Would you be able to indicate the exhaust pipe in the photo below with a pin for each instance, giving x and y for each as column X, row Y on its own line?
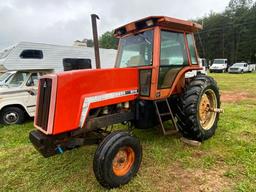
column 94, row 18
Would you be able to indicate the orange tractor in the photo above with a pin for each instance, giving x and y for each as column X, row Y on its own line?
column 146, row 88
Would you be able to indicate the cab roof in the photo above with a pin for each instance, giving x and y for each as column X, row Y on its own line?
column 151, row 21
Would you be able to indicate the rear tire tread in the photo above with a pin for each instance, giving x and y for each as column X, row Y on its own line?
column 187, row 108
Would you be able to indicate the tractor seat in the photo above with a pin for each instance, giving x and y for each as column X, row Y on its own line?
column 170, row 77
column 137, row 60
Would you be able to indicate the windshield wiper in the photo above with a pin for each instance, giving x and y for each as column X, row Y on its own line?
column 146, row 40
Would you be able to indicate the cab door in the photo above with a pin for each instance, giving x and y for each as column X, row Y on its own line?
column 32, row 87
column 173, row 57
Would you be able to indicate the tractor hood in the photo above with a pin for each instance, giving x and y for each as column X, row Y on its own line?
column 71, row 95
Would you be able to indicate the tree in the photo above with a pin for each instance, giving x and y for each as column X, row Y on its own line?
column 108, row 41
column 235, row 5
column 231, row 34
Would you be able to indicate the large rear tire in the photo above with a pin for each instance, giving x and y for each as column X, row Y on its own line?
column 196, row 118
column 117, row 159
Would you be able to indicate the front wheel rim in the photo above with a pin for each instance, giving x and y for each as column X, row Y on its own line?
column 207, row 115
column 123, row 161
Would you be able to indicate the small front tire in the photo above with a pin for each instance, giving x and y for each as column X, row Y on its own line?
column 117, row 159
column 12, row 115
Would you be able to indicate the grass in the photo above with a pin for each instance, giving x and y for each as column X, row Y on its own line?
column 226, row 162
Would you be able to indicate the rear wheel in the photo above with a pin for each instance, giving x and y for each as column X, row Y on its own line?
column 196, row 114
column 117, row 159
column 12, row 115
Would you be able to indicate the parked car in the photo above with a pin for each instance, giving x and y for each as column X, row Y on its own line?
column 239, row 68
column 219, row 65
column 6, row 76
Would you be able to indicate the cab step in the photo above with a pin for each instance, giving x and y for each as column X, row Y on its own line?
column 168, row 112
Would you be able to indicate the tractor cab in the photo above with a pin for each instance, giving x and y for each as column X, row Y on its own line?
column 163, row 49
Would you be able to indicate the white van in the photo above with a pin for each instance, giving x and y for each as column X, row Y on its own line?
column 219, row 65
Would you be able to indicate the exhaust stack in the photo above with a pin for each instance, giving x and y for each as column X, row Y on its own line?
column 94, row 18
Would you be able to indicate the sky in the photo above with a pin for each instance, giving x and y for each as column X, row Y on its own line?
column 64, row 21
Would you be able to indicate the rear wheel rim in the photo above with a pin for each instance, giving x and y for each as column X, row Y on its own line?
column 123, row 161
column 11, row 117
column 206, row 112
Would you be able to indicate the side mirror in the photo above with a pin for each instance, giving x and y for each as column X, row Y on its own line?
column 30, row 83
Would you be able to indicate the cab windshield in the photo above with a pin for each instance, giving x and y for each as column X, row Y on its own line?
column 239, row 65
column 135, row 50
column 4, row 76
column 219, row 61
column 18, row 79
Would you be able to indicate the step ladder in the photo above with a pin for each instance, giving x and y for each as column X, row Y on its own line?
column 161, row 114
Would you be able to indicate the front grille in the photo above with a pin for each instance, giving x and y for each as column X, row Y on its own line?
column 43, row 106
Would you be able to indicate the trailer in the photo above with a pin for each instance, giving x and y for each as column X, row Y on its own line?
column 41, row 56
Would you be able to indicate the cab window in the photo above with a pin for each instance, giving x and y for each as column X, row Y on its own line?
column 173, row 57
column 18, row 79
column 33, row 80
column 192, row 49
column 136, row 50
column 31, row 54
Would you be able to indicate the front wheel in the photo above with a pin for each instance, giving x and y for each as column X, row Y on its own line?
column 197, row 109
column 117, row 159
column 12, row 115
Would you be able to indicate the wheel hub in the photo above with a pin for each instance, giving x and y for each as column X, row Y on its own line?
column 11, row 117
column 123, row 161
column 206, row 114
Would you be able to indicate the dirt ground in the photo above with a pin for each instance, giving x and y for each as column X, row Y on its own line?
column 175, row 178
column 232, row 96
